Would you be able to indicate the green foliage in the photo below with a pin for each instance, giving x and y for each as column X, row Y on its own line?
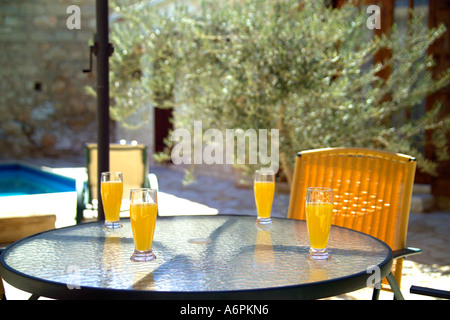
column 301, row 67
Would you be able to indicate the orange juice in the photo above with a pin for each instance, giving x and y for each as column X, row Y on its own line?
column 112, row 192
column 143, row 221
column 264, row 191
column 318, row 217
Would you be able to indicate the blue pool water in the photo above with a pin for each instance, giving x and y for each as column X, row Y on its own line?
column 18, row 179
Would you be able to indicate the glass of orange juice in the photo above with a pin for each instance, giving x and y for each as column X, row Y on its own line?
column 143, row 212
column 264, row 188
column 319, row 211
column 112, row 192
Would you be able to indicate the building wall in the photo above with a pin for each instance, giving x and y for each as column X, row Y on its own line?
column 44, row 107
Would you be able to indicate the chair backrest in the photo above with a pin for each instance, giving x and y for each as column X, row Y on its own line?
column 131, row 160
column 371, row 190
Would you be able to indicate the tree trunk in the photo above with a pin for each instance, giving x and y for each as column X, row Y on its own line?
column 283, row 161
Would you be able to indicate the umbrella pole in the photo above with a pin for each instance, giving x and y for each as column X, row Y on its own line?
column 103, row 54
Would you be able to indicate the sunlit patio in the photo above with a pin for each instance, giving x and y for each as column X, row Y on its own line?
column 208, row 92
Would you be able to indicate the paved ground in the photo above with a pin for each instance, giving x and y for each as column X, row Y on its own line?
column 428, row 231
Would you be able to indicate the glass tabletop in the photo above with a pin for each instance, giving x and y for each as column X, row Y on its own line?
column 195, row 254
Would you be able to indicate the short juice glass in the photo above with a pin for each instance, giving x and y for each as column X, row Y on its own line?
column 319, row 211
column 143, row 213
column 264, row 188
column 112, row 192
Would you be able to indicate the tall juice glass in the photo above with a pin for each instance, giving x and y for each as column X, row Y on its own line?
column 112, row 192
column 319, row 211
column 264, row 188
column 143, row 212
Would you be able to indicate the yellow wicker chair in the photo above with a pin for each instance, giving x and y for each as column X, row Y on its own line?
column 371, row 192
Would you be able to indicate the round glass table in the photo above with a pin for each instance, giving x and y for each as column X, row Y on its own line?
column 198, row 257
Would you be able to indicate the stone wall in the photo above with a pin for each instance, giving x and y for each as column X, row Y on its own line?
column 44, row 107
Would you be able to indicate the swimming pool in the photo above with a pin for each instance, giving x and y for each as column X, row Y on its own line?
column 28, row 190
column 18, row 180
